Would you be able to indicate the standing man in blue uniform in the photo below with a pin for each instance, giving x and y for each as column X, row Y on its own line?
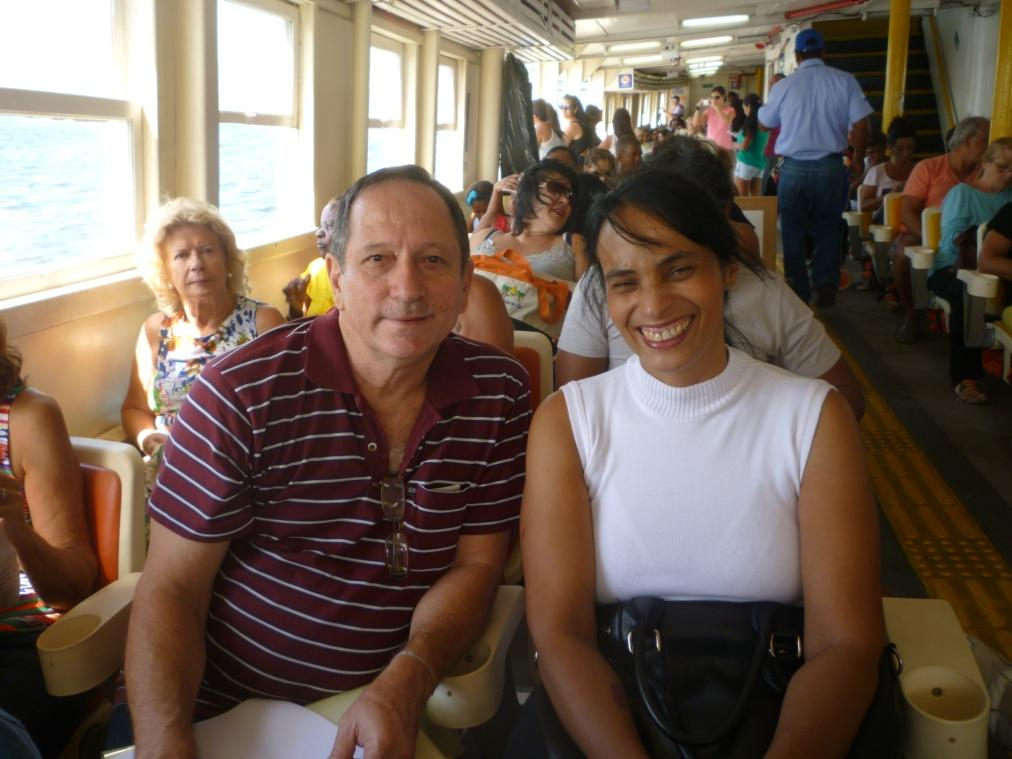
column 820, row 110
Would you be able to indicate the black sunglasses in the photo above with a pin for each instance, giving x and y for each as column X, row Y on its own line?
column 556, row 189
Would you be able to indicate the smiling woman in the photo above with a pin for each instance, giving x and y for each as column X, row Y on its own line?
column 601, row 527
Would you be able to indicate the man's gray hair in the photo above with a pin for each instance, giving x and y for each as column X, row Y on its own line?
column 410, row 173
column 967, row 129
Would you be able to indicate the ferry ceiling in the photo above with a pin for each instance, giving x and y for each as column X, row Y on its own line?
column 656, row 36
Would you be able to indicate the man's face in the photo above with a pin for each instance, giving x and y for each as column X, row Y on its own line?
column 975, row 147
column 630, row 157
column 401, row 288
column 325, row 232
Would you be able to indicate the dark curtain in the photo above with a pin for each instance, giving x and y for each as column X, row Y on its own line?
column 518, row 146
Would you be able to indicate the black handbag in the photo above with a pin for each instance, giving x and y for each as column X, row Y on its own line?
column 707, row 679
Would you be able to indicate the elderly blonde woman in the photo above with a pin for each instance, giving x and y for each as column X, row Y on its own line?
column 197, row 273
column 44, row 531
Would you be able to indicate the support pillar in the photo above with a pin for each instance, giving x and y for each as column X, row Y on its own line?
column 194, row 111
column 361, row 16
column 896, row 60
column 490, row 113
column 428, row 83
column 1001, row 109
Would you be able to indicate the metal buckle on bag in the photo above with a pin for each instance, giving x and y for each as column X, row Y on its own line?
column 657, row 640
column 786, row 646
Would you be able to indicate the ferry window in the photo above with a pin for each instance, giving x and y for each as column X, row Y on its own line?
column 389, row 141
column 449, row 136
column 259, row 173
column 68, row 46
column 67, row 141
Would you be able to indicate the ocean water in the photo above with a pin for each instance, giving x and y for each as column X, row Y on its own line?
column 66, row 189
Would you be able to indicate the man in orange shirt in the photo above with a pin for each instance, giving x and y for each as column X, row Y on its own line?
column 927, row 186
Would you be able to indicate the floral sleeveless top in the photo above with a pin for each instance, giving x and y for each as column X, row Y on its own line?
column 181, row 357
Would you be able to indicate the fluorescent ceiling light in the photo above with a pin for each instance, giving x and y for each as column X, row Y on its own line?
column 707, row 41
column 714, row 21
column 637, row 59
column 633, row 47
column 705, row 59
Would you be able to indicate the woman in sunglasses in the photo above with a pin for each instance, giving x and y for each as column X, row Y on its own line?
column 579, row 133
column 542, row 206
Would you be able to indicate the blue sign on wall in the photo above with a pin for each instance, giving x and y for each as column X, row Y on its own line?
column 625, row 81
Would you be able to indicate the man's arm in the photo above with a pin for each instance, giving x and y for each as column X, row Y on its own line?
column 842, row 377
column 385, row 719
column 165, row 646
column 570, row 367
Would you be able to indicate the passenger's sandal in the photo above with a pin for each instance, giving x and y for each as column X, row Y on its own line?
column 968, row 392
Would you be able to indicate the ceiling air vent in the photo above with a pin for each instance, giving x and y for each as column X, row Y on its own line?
column 534, row 30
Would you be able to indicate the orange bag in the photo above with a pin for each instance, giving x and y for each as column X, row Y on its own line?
column 532, row 299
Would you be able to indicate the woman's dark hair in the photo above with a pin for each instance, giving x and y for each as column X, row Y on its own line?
column 719, row 89
column 739, row 113
column 900, row 128
column 678, row 203
column 593, row 114
column 588, row 188
column 544, row 111
column 576, row 108
column 10, row 363
column 751, row 124
column 558, row 149
column 527, row 191
column 876, row 140
column 621, row 123
column 696, row 161
column 480, row 190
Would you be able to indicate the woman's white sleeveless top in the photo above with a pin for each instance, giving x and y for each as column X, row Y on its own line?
column 694, row 491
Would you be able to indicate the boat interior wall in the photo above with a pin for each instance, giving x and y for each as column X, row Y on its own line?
column 969, row 41
column 78, row 345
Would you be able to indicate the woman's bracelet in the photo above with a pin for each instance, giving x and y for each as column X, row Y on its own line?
column 416, row 657
column 144, row 435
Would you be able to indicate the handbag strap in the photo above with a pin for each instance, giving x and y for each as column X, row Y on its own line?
column 649, row 613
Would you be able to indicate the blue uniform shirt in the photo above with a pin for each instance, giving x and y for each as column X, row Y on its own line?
column 814, row 108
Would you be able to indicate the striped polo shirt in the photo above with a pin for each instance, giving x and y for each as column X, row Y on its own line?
column 277, row 452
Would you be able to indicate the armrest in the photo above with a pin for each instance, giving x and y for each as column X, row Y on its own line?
column 978, row 284
column 471, row 693
column 85, row 646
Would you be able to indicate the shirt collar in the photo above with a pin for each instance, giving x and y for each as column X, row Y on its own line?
column 811, row 62
column 327, row 364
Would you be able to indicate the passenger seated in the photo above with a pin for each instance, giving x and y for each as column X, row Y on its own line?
column 996, row 255
column 542, row 206
column 45, row 531
column 476, row 199
column 673, row 475
column 563, row 155
column 929, row 182
column 890, row 175
column 628, row 154
column 601, row 163
column 197, row 273
column 309, row 294
column 499, row 211
column 769, row 321
column 381, row 460
column 966, row 207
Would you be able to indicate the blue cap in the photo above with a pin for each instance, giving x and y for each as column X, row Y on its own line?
column 807, row 41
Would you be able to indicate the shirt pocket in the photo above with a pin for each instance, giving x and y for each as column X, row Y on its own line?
column 433, row 521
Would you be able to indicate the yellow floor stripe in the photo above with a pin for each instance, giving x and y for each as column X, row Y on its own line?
column 946, row 547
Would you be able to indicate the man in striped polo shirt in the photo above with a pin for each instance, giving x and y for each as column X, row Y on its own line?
column 338, row 496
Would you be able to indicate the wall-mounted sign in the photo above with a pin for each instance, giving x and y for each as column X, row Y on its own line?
column 734, row 81
column 625, row 81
